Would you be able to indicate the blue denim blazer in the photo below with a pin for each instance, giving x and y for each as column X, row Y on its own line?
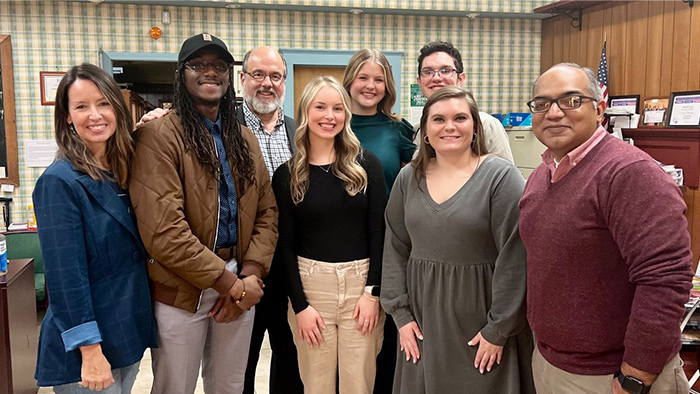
column 96, row 275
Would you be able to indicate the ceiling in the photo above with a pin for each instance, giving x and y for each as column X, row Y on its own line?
column 464, row 8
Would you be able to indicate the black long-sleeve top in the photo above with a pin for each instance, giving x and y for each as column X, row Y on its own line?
column 330, row 225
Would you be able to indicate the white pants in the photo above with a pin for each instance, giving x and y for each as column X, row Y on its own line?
column 187, row 340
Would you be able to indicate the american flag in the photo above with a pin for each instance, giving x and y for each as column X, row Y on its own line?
column 603, row 80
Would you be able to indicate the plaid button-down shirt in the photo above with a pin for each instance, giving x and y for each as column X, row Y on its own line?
column 275, row 146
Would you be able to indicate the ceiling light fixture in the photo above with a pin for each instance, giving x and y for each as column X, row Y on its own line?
column 356, row 11
column 233, row 6
column 472, row 15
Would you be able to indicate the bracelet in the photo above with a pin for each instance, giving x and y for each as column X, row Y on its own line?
column 238, row 301
column 371, row 297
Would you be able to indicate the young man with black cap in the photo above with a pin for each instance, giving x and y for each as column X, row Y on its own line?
column 208, row 219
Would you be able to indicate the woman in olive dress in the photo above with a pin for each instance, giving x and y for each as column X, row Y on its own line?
column 453, row 273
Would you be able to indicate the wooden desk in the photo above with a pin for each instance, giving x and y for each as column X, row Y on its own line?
column 18, row 329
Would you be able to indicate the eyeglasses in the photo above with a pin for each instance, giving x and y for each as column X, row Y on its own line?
column 445, row 72
column 540, row 105
column 202, row 66
column 260, row 76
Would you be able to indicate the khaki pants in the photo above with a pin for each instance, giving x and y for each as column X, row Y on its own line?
column 552, row 380
column 333, row 290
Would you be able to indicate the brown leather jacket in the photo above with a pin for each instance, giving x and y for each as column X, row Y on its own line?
column 177, row 210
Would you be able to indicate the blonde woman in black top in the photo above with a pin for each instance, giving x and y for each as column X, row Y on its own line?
column 331, row 199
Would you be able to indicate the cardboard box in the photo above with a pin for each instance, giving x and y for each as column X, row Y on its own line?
column 519, row 119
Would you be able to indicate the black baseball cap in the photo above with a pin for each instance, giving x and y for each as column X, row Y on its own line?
column 195, row 43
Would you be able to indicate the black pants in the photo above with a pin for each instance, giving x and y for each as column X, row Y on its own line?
column 386, row 360
column 271, row 315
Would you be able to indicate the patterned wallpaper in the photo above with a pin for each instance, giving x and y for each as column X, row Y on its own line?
column 502, row 56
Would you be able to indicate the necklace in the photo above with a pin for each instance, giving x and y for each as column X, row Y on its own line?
column 328, row 167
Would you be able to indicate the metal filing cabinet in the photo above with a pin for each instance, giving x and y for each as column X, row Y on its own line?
column 527, row 150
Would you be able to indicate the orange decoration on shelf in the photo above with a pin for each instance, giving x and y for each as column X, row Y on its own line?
column 156, row 32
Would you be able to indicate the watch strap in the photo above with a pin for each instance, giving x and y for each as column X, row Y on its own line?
column 627, row 381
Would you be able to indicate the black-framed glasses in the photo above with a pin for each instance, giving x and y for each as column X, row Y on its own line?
column 260, row 76
column 201, row 66
column 540, row 105
column 444, row 72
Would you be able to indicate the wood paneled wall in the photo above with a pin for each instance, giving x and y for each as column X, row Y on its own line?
column 653, row 49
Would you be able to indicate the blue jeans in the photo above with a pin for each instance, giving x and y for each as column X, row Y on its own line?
column 124, row 379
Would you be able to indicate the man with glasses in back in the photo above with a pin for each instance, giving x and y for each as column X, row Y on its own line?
column 608, row 251
column 439, row 65
column 208, row 218
column 263, row 78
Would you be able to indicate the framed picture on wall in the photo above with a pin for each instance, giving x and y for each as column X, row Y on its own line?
column 49, row 84
column 684, row 109
column 238, row 86
column 624, row 104
column 654, row 111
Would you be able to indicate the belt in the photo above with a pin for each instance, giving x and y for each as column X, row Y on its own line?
column 226, row 253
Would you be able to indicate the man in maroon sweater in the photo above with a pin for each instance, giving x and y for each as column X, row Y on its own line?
column 608, row 251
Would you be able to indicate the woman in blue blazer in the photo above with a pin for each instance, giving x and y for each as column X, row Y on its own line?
column 99, row 320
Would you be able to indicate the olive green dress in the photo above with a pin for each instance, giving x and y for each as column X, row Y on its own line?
column 458, row 268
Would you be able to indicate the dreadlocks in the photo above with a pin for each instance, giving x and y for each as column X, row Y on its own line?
column 198, row 139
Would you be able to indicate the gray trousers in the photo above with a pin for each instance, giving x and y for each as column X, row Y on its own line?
column 188, row 340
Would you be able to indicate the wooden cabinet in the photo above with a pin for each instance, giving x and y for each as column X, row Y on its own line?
column 680, row 147
column 18, row 329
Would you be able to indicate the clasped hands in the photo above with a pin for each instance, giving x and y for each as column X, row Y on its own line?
column 226, row 309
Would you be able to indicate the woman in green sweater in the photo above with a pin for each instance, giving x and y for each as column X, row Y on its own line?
column 370, row 84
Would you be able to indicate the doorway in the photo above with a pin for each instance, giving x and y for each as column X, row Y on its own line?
column 327, row 62
column 146, row 79
column 304, row 74
column 152, row 81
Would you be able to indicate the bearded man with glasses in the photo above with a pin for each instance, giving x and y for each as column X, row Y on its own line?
column 608, row 251
column 208, row 218
column 263, row 79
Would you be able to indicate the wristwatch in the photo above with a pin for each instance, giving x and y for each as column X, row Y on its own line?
column 631, row 384
column 372, row 290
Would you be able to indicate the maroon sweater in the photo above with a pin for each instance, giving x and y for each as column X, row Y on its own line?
column 608, row 256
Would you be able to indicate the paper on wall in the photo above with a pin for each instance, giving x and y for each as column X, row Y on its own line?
column 39, row 153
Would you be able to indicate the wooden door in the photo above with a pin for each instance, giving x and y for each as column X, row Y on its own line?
column 304, row 74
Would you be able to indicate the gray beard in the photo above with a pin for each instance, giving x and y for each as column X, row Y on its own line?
column 262, row 107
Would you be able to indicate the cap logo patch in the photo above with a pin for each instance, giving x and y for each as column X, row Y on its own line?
column 206, row 37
